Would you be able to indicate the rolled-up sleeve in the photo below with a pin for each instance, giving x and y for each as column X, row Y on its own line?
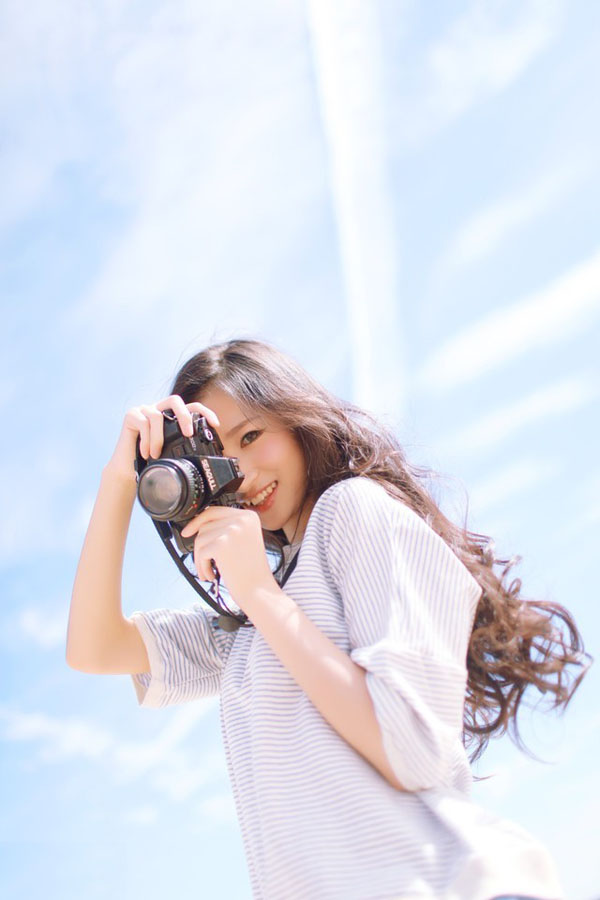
column 187, row 651
column 409, row 604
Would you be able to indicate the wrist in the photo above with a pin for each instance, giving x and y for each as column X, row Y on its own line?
column 117, row 474
column 263, row 597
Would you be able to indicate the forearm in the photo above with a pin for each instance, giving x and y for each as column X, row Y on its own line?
column 333, row 682
column 96, row 617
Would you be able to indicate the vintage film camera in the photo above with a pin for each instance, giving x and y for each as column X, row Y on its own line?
column 190, row 474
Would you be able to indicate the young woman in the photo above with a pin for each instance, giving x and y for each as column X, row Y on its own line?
column 346, row 707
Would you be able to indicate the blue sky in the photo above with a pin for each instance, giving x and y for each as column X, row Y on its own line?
column 402, row 196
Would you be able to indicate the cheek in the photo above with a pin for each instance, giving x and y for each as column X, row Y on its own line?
column 296, row 464
column 271, row 454
column 281, row 452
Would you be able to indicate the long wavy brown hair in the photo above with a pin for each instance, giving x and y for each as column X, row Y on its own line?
column 515, row 642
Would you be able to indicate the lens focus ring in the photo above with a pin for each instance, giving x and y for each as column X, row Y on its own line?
column 170, row 489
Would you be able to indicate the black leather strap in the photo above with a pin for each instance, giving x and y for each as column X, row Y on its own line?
column 232, row 623
column 290, row 568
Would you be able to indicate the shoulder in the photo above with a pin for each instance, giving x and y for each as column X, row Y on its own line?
column 358, row 521
column 354, row 497
column 357, row 510
column 356, row 487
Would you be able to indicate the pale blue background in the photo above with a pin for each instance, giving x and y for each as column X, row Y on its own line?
column 404, row 196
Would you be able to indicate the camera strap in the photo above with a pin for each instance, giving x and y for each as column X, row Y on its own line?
column 290, row 568
column 231, row 622
column 228, row 620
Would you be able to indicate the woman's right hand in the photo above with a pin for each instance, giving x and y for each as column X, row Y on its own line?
column 146, row 422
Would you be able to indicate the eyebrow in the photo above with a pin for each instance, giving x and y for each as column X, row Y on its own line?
column 237, row 428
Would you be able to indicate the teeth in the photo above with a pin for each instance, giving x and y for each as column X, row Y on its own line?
column 260, row 498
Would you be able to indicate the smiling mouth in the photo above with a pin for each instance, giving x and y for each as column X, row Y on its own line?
column 259, row 499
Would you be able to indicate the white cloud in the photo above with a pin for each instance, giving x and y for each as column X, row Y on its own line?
column 505, row 778
column 218, row 808
column 59, row 739
column 195, row 136
column 486, row 50
column 482, row 233
column 134, row 760
column 58, row 526
column 171, row 768
column 555, row 399
column 42, row 626
column 524, row 790
column 49, row 51
column 183, row 156
column 164, row 761
column 348, row 54
column 141, row 815
column 206, row 145
column 518, row 477
column 560, row 750
column 551, row 314
column 587, row 496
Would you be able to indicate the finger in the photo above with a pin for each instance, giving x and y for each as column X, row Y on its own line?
column 144, row 427
column 202, row 570
column 214, row 531
column 212, row 514
column 209, row 546
column 204, row 567
column 208, row 413
column 140, row 424
column 184, row 416
column 175, row 402
column 156, row 421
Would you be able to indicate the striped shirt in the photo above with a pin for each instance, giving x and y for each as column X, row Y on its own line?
column 317, row 820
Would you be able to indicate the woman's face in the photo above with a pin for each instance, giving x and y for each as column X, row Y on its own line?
column 272, row 462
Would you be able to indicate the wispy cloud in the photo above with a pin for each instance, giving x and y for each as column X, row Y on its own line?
column 484, row 50
column 347, row 46
column 486, row 229
column 218, row 808
column 518, row 477
column 58, row 739
column 187, row 143
column 504, row 779
column 554, row 313
column 59, row 520
column 207, row 145
column 141, row 815
column 587, row 499
column 518, row 782
column 555, row 399
column 562, row 747
column 43, row 627
column 487, row 49
column 169, row 766
column 195, row 136
column 134, row 760
column 53, row 56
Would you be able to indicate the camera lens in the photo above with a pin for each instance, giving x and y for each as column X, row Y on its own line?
column 170, row 489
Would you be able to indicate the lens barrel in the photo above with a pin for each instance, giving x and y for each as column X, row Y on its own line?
column 170, row 489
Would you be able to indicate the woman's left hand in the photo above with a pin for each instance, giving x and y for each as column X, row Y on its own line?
column 233, row 538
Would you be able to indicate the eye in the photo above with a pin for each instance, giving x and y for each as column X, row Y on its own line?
column 252, row 435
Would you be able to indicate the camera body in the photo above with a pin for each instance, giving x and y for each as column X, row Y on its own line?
column 190, row 474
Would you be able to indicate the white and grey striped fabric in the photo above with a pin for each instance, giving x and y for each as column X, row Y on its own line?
column 318, row 821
